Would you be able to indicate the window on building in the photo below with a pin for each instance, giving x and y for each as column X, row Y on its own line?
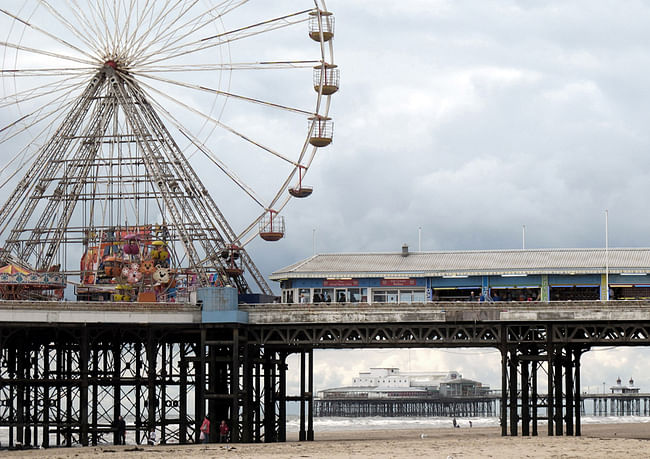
column 385, row 296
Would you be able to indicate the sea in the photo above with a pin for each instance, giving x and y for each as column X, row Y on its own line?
column 343, row 424
column 334, row 424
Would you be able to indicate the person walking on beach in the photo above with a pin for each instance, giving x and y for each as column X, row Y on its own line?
column 151, row 437
column 223, row 432
column 121, row 431
column 205, row 429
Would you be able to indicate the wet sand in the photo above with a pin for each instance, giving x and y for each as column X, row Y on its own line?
column 598, row 441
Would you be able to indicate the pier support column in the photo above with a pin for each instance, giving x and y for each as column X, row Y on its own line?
column 249, row 405
column 504, row 391
column 578, row 396
column 577, row 354
column 182, row 389
column 83, row 388
column 302, row 435
column 569, row 391
column 525, row 407
column 514, row 417
column 235, row 389
column 282, row 397
column 199, row 402
column 310, row 400
column 557, row 386
column 550, row 407
column 46, row 396
column 20, row 395
column 269, row 396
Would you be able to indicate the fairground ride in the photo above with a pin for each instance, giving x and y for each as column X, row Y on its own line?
column 129, row 129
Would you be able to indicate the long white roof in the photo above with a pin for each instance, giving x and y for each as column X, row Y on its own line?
column 469, row 262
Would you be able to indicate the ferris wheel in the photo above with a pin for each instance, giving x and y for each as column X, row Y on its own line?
column 168, row 133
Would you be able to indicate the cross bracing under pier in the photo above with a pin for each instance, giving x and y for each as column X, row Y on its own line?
column 68, row 370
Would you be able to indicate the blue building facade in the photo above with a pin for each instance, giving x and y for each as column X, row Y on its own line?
column 501, row 275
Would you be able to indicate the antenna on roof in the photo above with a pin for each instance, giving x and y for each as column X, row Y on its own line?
column 523, row 237
column 419, row 239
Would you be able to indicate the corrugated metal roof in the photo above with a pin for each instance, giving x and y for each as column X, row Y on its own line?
column 473, row 262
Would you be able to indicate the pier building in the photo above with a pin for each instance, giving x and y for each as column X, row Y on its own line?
column 470, row 275
column 389, row 392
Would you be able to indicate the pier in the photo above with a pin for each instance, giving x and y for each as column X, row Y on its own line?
column 617, row 404
column 68, row 370
column 485, row 406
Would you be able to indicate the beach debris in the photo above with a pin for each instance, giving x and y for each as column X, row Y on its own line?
column 423, row 436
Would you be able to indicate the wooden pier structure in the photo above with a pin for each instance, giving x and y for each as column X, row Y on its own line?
column 68, row 370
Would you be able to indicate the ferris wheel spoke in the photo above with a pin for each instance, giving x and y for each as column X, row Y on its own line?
column 163, row 34
column 224, row 93
column 69, row 25
column 121, row 8
column 93, row 34
column 46, row 72
column 262, row 65
column 211, row 156
column 38, row 116
column 227, row 37
column 220, row 124
column 59, row 111
column 44, row 52
column 193, row 25
column 36, row 92
column 133, row 38
column 46, row 33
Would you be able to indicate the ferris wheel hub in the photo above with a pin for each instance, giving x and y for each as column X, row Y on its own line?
column 111, row 63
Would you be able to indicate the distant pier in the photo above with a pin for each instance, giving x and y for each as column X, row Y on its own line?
column 617, row 404
column 483, row 406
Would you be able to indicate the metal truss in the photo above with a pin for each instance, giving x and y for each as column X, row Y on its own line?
column 113, row 164
column 379, row 335
column 445, row 334
column 68, row 387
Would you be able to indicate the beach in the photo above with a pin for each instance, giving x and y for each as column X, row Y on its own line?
column 598, row 441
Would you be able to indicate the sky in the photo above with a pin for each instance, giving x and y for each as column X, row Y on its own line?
column 467, row 120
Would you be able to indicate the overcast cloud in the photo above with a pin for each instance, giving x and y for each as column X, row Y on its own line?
column 470, row 119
